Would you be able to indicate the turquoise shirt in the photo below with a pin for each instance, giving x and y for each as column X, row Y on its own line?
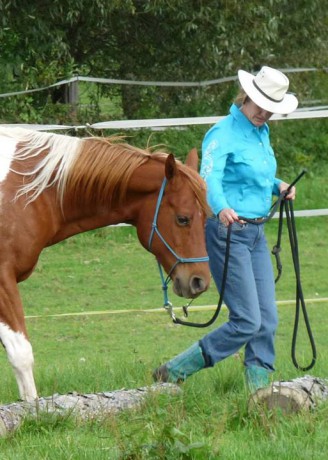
column 239, row 166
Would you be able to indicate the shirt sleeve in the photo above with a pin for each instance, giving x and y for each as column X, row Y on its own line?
column 214, row 159
column 275, row 190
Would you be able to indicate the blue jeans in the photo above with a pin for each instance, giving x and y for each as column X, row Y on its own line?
column 249, row 295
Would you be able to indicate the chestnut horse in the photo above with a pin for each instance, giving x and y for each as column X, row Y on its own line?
column 54, row 186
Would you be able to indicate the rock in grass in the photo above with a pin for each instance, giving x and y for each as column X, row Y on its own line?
column 302, row 393
column 84, row 406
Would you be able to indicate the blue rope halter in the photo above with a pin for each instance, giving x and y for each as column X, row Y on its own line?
column 165, row 281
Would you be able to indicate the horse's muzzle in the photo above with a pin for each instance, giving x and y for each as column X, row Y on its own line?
column 191, row 287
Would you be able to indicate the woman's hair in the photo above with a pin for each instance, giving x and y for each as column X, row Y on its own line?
column 241, row 98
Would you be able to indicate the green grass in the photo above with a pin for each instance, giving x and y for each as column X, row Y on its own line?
column 208, row 420
column 108, row 270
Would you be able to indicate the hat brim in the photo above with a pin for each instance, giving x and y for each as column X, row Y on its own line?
column 287, row 105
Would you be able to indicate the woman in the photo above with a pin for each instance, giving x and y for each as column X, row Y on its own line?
column 239, row 167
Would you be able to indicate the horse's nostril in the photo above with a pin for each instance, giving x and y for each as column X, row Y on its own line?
column 197, row 285
column 190, row 288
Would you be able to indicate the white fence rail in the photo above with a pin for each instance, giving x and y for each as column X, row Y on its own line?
column 301, row 213
column 164, row 123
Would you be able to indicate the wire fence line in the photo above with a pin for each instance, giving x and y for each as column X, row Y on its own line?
column 320, row 111
column 115, row 81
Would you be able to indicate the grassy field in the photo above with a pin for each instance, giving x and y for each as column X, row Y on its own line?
column 106, row 271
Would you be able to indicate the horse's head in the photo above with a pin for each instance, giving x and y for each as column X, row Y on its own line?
column 176, row 234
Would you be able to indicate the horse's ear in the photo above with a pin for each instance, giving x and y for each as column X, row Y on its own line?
column 170, row 167
column 192, row 159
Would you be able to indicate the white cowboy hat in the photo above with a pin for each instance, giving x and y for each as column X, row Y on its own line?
column 268, row 89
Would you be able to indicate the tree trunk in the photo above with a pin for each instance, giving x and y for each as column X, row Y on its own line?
column 84, row 406
column 291, row 396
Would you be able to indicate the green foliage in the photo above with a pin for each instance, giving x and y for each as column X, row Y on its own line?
column 300, row 144
column 153, row 40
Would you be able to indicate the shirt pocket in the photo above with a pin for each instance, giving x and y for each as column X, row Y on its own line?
column 245, row 167
column 245, row 156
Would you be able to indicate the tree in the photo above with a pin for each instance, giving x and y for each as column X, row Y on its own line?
column 149, row 40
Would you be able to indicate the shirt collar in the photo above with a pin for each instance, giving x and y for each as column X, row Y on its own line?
column 246, row 125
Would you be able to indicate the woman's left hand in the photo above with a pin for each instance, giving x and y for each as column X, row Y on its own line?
column 284, row 186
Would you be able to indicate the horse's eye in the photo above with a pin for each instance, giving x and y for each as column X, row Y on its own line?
column 183, row 220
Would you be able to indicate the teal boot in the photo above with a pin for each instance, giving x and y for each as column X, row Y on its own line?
column 182, row 366
column 257, row 377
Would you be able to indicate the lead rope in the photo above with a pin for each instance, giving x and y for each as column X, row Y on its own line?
column 300, row 302
column 286, row 205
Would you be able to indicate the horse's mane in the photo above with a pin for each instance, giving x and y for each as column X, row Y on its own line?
column 109, row 164
column 72, row 164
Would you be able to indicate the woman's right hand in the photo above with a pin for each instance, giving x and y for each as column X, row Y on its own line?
column 228, row 216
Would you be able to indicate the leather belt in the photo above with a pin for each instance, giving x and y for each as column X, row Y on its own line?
column 259, row 219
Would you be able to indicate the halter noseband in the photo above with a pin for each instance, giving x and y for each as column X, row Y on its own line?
column 182, row 260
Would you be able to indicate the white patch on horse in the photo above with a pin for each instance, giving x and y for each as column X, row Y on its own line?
column 7, row 150
column 20, row 356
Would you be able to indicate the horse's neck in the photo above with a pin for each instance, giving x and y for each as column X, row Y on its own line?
column 143, row 186
column 147, row 178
